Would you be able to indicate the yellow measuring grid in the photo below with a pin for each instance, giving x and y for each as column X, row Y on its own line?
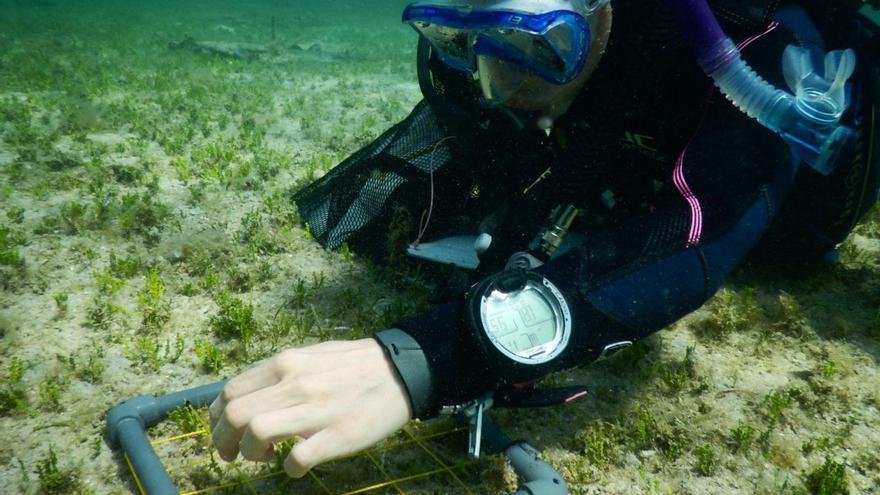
column 423, row 458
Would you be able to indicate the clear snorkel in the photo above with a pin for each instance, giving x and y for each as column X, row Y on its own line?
column 809, row 119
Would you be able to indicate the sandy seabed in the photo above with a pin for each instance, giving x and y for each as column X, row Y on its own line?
column 143, row 193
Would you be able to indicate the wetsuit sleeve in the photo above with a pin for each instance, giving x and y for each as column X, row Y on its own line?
column 641, row 275
column 630, row 297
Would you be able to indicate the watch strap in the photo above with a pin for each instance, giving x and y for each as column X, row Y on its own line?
column 412, row 367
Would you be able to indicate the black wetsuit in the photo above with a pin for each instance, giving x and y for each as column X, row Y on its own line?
column 675, row 185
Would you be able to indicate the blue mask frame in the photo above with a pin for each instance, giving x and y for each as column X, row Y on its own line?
column 552, row 45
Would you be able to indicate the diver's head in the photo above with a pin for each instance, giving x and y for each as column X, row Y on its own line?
column 530, row 55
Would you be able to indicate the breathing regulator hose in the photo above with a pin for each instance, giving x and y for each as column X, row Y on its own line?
column 809, row 119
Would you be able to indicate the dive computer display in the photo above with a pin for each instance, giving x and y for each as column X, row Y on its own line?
column 520, row 316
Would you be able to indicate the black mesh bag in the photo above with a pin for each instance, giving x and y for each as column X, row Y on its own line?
column 362, row 188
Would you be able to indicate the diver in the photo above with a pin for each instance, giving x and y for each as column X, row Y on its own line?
column 586, row 184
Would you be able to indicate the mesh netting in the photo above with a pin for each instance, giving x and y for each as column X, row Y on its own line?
column 356, row 191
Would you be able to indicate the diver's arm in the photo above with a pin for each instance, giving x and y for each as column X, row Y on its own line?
column 638, row 276
column 631, row 296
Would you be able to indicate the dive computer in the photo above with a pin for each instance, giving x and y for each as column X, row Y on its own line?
column 520, row 321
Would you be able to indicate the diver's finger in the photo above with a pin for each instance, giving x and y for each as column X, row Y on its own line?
column 238, row 414
column 320, row 447
column 225, row 439
column 265, row 374
column 275, row 426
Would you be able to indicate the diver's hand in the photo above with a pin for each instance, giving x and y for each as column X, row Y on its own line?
column 340, row 397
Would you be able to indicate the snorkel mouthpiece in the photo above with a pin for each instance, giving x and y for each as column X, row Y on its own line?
column 809, row 119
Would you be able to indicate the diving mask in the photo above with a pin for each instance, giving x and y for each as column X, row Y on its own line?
column 508, row 39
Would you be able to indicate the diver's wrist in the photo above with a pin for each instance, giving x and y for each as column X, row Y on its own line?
column 412, row 367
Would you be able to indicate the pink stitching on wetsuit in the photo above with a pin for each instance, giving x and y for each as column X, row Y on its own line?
column 576, row 396
column 748, row 41
column 696, row 229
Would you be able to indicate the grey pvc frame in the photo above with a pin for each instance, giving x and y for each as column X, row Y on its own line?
column 127, row 424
